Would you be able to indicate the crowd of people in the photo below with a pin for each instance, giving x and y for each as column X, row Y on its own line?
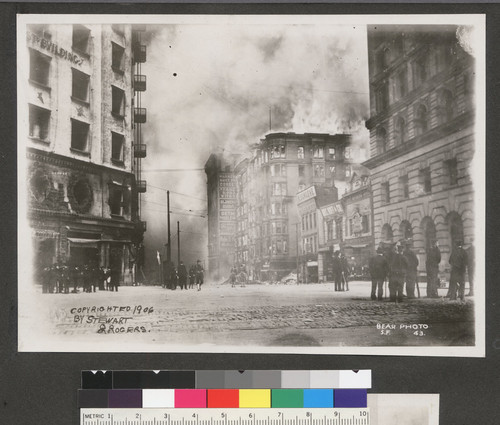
column 183, row 278
column 62, row 278
column 399, row 266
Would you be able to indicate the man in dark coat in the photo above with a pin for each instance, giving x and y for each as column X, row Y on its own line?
column 337, row 270
column 433, row 258
column 379, row 268
column 199, row 274
column 399, row 266
column 412, row 272
column 458, row 262
column 471, row 266
column 192, row 276
column 183, row 275
column 346, row 272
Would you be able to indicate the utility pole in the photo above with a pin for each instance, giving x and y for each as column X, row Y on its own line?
column 178, row 246
column 297, row 239
column 169, row 248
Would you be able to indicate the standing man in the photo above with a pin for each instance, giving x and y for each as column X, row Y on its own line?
column 399, row 267
column 471, row 267
column 458, row 262
column 183, row 275
column 433, row 258
column 379, row 269
column 199, row 274
column 346, row 269
column 411, row 273
column 337, row 270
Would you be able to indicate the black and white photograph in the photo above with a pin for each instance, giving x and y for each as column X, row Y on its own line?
column 252, row 184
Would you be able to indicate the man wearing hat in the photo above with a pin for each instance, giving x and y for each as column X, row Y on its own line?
column 412, row 271
column 399, row 267
column 199, row 274
column 337, row 270
column 458, row 263
column 433, row 258
column 379, row 268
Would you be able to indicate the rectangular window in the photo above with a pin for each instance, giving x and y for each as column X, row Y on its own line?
column 302, row 170
column 386, row 192
column 425, row 180
column 329, row 230
column 331, row 153
column 39, row 67
column 39, row 120
column 80, row 85
column 382, row 97
column 314, row 220
column 118, row 102
column 300, row 152
column 348, row 153
column 319, row 171
column 318, row 152
column 116, row 200
column 118, row 53
column 117, row 142
column 79, row 135
column 405, row 188
column 401, row 84
column 81, row 38
column 452, row 171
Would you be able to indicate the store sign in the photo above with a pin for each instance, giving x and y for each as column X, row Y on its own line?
column 332, row 210
column 53, row 48
column 227, row 204
column 306, row 194
column 227, row 186
column 227, row 214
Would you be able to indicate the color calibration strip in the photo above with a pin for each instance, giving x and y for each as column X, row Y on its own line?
column 217, row 379
column 223, row 398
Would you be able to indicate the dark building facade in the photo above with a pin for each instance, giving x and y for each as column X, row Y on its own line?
column 421, row 136
column 82, row 170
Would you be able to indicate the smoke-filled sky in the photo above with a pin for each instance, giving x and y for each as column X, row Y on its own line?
column 211, row 87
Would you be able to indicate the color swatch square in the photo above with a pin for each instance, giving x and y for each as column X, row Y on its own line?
column 223, row 398
column 190, row 398
column 318, row 398
column 355, row 379
column 125, row 398
column 295, row 379
column 237, row 379
column 92, row 399
column 350, row 398
column 287, row 398
column 324, row 379
column 255, row 398
column 210, row 379
column 158, row 398
column 266, row 379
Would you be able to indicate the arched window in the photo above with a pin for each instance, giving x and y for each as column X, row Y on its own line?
column 456, row 228
column 421, row 120
column 381, row 140
column 387, row 234
column 445, row 106
column 428, row 231
column 406, row 230
column 400, row 130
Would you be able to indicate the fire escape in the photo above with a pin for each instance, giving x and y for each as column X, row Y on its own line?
column 139, row 116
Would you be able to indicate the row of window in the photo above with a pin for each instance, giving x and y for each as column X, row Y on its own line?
column 424, row 182
column 318, row 152
column 309, row 221
column 39, row 123
column 445, row 113
column 310, row 244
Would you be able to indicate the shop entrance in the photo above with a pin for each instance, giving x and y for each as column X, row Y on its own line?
column 80, row 256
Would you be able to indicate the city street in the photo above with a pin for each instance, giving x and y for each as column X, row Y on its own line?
column 264, row 315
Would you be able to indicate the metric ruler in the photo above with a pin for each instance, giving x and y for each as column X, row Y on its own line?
column 216, row 416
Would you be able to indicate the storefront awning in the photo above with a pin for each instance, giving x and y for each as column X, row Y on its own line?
column 363, row 245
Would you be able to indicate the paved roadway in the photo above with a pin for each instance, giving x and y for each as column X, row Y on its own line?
column 278, row 315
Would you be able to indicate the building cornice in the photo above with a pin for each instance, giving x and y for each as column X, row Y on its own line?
column 33, row 212
column 72, row 163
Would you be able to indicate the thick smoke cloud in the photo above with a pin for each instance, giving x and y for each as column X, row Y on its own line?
column 214, row 87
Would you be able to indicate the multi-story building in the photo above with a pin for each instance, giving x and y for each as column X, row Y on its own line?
column 83, row 144
column 221, row 195
column 421, row 136
column 267, row 236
